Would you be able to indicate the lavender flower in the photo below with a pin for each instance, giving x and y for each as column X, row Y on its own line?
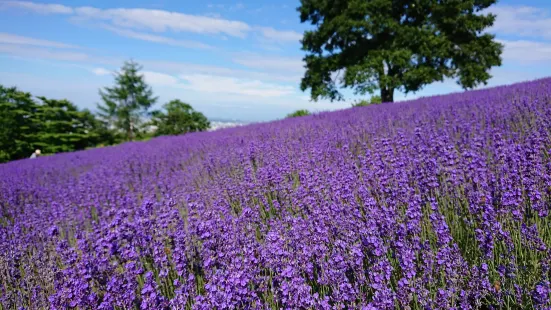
column 435, row 203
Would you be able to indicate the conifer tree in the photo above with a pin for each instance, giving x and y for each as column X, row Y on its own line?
column 126, row 104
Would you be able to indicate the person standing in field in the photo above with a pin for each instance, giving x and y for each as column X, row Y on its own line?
column 35, row 154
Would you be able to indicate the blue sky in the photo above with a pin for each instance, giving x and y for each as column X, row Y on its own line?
column 229, row 59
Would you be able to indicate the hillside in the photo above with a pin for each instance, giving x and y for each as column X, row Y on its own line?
column 436, row 203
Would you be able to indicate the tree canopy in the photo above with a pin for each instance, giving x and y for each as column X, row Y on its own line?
column 178, row 118
column 50, row 125
column 30, row 122
column 63, row 127
column 395, row 45
column 17, row 123
column 126, row 103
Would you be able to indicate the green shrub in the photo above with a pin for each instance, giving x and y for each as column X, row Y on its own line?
column 298, row 113
column 363, row 102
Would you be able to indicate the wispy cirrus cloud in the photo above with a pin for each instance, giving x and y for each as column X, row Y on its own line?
column 159, row 21
column 160, row 79
column 272, row 34
column 191, row 68
column 41, row 8
column 527, row 31
column 523, row 51
column 233, row 85
column 8, row 38
column 150, row 19
column 42, row 53
column 191, row 77
column 254, row 72
column 292, row 65
column 211, row 83
column 522, row 21
column 156, row 38
column 101, row 71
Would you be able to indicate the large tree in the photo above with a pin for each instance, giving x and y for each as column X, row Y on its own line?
column 63, row 127
column 395, row 45
column 126, row 104
column 50, row 125
column 18, row 124
column 178, row 118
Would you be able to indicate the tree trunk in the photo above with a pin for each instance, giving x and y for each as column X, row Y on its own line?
column 130, row 132
column 387, row 94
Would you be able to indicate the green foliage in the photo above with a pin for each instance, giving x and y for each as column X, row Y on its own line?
column 179, row 118
column 106, row 136
column 50, row 125
column 363, row 103
column 63, row 128
column 395, row 45
column 126, row 104
column 298, row 113
column 17, row 124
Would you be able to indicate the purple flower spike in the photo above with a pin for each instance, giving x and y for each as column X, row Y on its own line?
column 434, row 203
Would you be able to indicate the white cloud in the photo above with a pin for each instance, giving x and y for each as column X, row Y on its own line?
column 160, row 79
column 214, row 84
column 88, row 11
column 40, row 8
column 522, row 21
column 84, row 93
column 279, row 35
column 8, row 38
column 191, row 68
column 231, row 85
column 526, row 51
column 270, row 63
column 156, row 38
column 169, row 67
column 156, row 20
column 101, row 71
column 160, row 20
column 33, row 52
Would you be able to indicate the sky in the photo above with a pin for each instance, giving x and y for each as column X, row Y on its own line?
column 229, row 59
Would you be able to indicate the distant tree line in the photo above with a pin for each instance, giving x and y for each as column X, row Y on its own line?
column 28, row 123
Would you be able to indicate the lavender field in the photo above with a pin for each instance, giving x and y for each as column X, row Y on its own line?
column 436, row 203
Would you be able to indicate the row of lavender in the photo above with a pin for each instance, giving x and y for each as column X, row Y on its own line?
column 438, row 203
